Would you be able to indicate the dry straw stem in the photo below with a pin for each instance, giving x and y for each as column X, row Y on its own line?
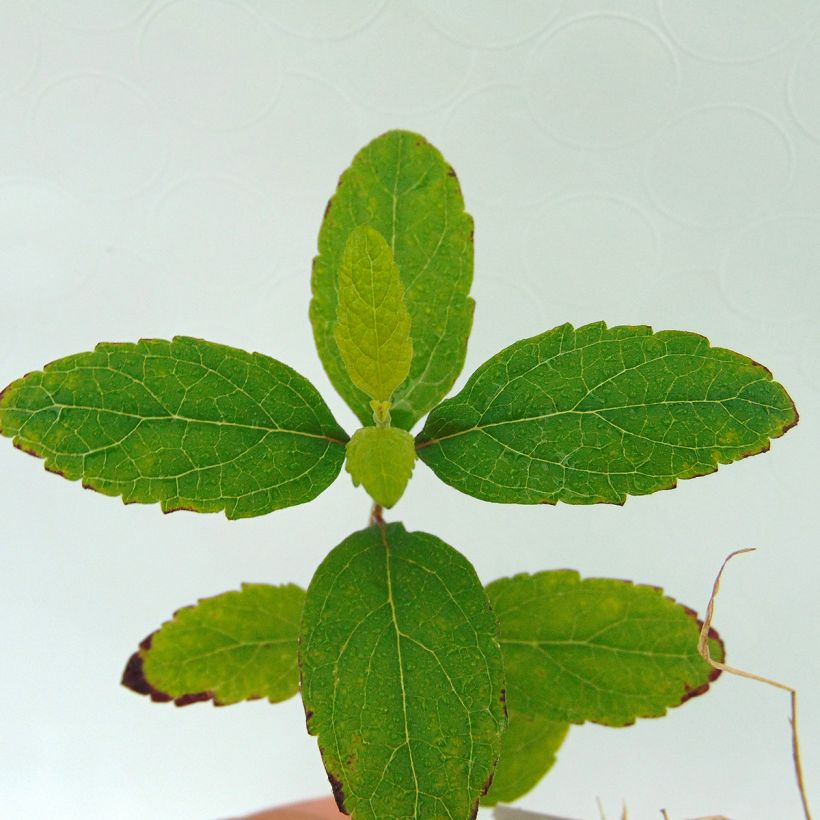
column 624, row 811
column 703, row 648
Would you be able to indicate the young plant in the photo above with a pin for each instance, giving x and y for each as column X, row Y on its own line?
column 427, row 691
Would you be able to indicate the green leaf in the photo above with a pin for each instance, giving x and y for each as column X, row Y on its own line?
column 401, row 186
column 372, row 322
column 577, row 650
column 401, row 676
column 382, row 459
column 190, row 424
column 597, row 649
column 595, row 414
column 528, row 751
column 235, row 646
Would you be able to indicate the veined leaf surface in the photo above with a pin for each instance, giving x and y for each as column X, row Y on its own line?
column 381, row 459
column 372, row 322
column 232, row 647
column 401, row 186
column 597, row 650
column 401, row 676
column 595, row 414
column 188, row 423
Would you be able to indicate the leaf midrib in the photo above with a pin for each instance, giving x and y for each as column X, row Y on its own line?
column 543, row 645
column 394, row 619
column 234, row 647
column 186, row 419
column 480, row 428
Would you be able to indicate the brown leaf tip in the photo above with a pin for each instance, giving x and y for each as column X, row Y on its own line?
column 133, row 678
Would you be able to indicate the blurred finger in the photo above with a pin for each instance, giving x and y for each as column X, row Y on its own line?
column 322, row 809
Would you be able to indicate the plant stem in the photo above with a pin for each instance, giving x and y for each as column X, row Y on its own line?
column 376, row 515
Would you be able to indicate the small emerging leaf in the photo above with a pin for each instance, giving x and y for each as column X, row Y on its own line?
column 188, row 423
column 381, row 459
column 372, row 323
column 595, row 414
column 235, row 646
column 401, row 676
column 401, row 186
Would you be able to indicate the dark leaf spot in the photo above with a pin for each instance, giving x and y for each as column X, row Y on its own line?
column 338, row 792
column 489, row 782
column 179, row 508
column 26, row 449
column 193, row 697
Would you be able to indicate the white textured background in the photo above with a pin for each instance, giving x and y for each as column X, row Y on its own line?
column 163, row 169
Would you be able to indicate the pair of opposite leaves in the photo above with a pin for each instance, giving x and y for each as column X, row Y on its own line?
column 581, row 415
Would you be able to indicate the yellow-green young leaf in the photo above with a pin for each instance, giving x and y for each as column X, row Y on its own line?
column 372, row 322
column 235, row 646
column 401, row 186
column 188, row 423
column 529, row 747
column 381, row 459
column 595, row 414
column 402, row 679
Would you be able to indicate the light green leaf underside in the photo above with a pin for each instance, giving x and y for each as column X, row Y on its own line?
column 597, row 649
column 381, row 459
column 188, row 423
column 232, row 647
column 595, row 414
column 401, row 676
column 401, row 186
column 372, row 322
column 529, row 747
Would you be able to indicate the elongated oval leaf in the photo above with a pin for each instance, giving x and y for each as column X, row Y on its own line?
column 597, row 650
column 401, row 676
column 382, row 459
column 372, row 322
column 595, row 414
column 401, row 186
column 232, row 647
column 188, row 423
